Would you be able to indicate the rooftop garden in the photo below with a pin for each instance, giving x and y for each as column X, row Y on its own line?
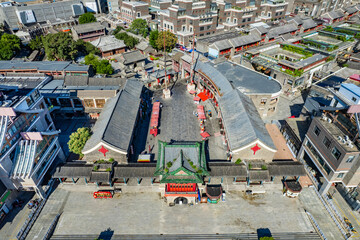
column 319, row 45
column 342, row 34
column 298, row 50
column 295, row 73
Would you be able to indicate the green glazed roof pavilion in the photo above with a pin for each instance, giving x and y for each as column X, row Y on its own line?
column 181, row 162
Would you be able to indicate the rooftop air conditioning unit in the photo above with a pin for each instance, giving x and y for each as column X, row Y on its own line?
column 329, row 120
column 324, row 118
column 351, row 146
column 347, row 138
column 339, row 138
column 343, row 141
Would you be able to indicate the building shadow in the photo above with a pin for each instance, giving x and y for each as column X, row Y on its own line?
column 263, row 232
column 295, row 109
column 106, row 235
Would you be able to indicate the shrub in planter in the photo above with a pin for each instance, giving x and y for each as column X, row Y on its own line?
column 238, row 161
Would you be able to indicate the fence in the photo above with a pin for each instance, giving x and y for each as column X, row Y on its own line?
column 317, row 226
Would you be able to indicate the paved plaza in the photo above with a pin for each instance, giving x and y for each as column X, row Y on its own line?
column 178, row 122
column 141, row 210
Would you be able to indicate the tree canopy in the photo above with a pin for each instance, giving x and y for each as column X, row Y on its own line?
column 100, row 66
column 170, row 41
column 139, row 26
column 60, row 46
column 36, row 43
column 153, row 38
column 78, row 139
column 87, row 18
column 129, row 41
column 9, row 45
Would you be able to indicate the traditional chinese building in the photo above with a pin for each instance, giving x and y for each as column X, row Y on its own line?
column 181, row 167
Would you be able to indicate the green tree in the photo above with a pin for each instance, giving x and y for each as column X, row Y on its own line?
column 36, row 43
column 9, row 45
column 78, row 139
column 170, row 41
column 87, row 18
column 129, row 41
column 86, row 47
column 100, row 66
column 60, row 46
column 118, row 29
column 139, row 26
column 153, row 38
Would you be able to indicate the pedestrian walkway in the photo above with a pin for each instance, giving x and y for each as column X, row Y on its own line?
column 346, row 211
column 313, row 205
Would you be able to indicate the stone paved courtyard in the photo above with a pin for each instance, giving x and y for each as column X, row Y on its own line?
column 142, row 211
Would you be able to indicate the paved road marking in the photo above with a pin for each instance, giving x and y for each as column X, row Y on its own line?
column 357, row 234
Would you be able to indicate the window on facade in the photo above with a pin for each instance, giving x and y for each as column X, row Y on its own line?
column 208, row 27
column 243, row 20
column 100, row 103
column 29, row 101
column 318, row 157
column 65, row 102
column 326, row 142
column 336, row 153
column 249, row 19
column 317, row 131
column 350, row 159
column 340, row 175
column 354, row 99
column 201, row 28
column 263, row 101
column 89, row 103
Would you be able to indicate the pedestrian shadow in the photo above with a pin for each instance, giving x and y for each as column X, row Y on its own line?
column 106, row 235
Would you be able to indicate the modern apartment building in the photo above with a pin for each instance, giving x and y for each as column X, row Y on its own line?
column 28, row 139
column 129, row 11
column 318, row 7
column 331, row 145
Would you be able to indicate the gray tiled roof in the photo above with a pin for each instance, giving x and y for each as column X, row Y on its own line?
column 297, row 20
column 246, row 80
column 242, row 121
column 118, row 118
column 43, row 12
column 287, row 28
column 259, row 175
column 135, row 170
column 309, row 23
column 334, row 14
column 262, row 29
column 286, row 168
column 219, row 79
column 100, row 177
column 73, row 171
column 351, row 9
column 108, row 43
column 227, row 169
column 43, row 65
column 132, row 57
column 244, row 40
column 221, row 45
column 88, row 27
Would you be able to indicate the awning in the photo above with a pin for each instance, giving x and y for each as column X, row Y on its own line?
column 259, row 175
column 205, row 134
column 196, row 98
column 203, row 96
column 355, row 77
column 354, row 109
column 201, row 113
column 154, row 131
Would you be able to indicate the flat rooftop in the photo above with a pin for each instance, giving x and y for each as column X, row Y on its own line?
column 246, row 80
column 335, row 131
column 16, row 87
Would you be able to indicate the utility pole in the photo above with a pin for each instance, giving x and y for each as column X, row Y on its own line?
column 192, row 59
